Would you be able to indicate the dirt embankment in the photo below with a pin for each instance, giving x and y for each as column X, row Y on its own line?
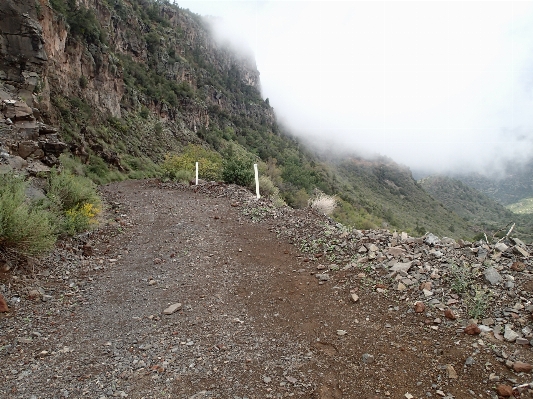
column 254, row 321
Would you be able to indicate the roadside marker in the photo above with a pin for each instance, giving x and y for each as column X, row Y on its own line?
column 256, row 181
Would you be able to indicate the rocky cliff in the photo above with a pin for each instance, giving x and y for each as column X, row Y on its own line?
column 68, row 68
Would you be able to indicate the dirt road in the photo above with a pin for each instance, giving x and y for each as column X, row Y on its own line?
column 254, row 320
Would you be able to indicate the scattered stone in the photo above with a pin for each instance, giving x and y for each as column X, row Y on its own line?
column 419, row 307
column 401, row 267
column 34, row 294
column 341, row 332
column 172, row 309
column 522, row 341
column 509, row 334
column 501, row 247
column 367, row 358
column 426, row 286
column 452, row 374
column 354, row 297
column 518, row 266
column 472, row 329
column 520, row 251
column 492, row 276
column 504, row 390
column 448, row 313
column 323, row 276
column 292, row 380
column 401, row 286
column 3, row 305
column 431, row 239
column 521, row 367
column 267, row 380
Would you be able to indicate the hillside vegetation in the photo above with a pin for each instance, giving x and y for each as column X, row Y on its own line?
column 482, row 212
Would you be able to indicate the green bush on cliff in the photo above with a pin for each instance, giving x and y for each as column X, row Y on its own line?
column 238, row 170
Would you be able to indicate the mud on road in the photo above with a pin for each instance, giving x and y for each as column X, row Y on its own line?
column 254, row 320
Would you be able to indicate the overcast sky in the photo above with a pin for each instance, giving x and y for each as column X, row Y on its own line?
column 433, row 85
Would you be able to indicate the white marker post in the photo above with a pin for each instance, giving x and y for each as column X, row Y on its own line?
column 256, row 181
column 196, row 173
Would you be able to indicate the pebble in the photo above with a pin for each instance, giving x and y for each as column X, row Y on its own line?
column 354, row 297
column 448, row 313
column 472, row 329
column 504, row 390
column 509, row 334
column 172, row 309
column 419, row 307
column 452, row 374
column 367, row 358
column 520, row 367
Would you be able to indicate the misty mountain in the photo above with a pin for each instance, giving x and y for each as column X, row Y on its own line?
column 109, row 88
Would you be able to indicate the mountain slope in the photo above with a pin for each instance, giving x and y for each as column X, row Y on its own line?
column 388, row 190
column 485, row 214
column 515, row 184
column 110, row 87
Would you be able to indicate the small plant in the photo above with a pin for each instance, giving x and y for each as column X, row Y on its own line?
column 462, row 278
column 478, row 303
column 323, row 203
column 83, row 82
column 67, row 191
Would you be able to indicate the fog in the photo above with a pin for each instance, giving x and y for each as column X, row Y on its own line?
column 437, row 86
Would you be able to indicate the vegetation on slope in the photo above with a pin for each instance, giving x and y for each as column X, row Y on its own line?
column 483, row 213
column 524, row 206
column 180, row 87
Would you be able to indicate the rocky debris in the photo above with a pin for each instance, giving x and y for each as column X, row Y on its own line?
column 3, row 304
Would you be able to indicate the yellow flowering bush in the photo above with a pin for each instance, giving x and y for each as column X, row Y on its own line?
column 81, row 218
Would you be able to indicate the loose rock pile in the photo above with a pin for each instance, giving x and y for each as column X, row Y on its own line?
column 487, row 287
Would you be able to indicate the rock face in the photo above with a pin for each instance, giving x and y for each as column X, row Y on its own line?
column 44, row 60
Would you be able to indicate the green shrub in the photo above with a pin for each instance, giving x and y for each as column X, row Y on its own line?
column 267, row 187
column 67, row 191
column 23, row 229
column 238, row 170
column 209, row 163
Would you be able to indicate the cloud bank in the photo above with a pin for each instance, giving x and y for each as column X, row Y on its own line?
column 437, row 86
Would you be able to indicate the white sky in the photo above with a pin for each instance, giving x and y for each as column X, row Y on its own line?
column 435, row 85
